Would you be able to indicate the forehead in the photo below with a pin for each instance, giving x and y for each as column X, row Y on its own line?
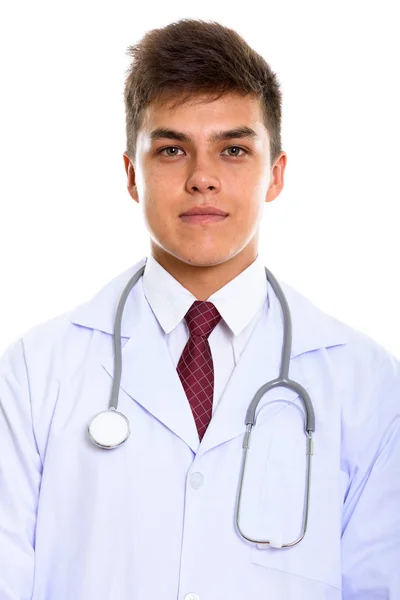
column 203, row 112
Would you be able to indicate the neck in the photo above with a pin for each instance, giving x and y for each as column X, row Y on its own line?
column 203, row 280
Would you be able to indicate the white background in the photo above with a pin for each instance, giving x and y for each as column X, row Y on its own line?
column 67, row 223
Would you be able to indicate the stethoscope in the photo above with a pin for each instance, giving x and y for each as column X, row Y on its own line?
column 110, row 428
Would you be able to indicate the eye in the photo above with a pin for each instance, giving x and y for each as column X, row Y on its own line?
column 168, row 148
column 236, row 148
column 171, row 151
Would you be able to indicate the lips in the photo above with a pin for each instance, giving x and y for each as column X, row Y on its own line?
column 203, row 214
column 203, row 218
column 204, row 210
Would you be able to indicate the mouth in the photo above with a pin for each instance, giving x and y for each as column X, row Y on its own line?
column 203, row 218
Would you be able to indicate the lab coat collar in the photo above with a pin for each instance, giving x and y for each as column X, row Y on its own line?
column 312, row 328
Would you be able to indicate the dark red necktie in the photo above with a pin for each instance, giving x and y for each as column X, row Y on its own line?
column 196, row 367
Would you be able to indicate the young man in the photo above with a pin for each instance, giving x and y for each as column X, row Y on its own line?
column 201, row 333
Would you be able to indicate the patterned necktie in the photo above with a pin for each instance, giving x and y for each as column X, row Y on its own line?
column 195, row 367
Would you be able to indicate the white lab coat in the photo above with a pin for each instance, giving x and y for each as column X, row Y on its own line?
column 155, row 517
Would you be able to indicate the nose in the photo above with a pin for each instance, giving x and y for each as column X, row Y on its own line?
column 202, row 179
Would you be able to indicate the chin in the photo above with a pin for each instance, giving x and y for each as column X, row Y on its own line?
column 204, row 259
column 193, row 254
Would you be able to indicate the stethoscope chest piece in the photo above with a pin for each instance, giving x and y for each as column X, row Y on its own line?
column 109, row 429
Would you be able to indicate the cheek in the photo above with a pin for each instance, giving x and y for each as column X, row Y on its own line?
column 251, row 186
column 161, row 193
column 158, row 211
column 148, row 181
column 251, row 203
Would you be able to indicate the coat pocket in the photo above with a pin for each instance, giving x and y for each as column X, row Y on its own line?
column 278, row 461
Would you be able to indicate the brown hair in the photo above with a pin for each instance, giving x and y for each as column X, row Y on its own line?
column 191, row 57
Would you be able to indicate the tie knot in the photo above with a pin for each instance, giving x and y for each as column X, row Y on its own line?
column 201, row 318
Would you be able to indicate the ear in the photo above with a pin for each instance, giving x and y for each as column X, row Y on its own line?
column 130, row 172
column 277, row 177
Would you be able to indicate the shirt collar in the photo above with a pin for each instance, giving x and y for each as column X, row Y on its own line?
column 237, row 302
column 312, row 328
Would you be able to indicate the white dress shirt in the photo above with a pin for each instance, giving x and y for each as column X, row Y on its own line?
column 240, row 303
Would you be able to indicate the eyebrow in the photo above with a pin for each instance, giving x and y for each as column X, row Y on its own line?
column 170, row 134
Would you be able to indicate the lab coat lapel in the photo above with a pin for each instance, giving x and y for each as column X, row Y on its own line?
column 148, row 373
column 260, row 362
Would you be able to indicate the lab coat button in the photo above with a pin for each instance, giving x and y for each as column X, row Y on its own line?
column 196, row 481
column 192, row 597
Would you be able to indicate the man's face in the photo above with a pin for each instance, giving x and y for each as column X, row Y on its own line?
column 189, row 165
